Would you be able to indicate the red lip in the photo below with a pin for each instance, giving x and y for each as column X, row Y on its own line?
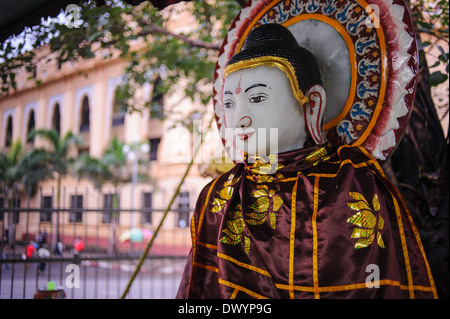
column 245, row 136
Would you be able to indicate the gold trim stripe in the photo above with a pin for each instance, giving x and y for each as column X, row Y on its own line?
column 314, row 229
column 413, row 226
column 341, row 163
column 419, row 243
column 383, row 282
column 374, row 161
column 289, row 179
column 211, row 246
column 292, row 239
column 211, row 268
column 202, row 212
column 411, row 221
column 404, row 247
column 195, row 233
column 234, row 294
column 244, row 265
column 295, row 287
column 247, row 291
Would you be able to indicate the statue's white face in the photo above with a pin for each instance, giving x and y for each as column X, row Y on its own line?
column 262, row 112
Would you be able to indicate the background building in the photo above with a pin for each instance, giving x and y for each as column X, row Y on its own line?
column 81, row 98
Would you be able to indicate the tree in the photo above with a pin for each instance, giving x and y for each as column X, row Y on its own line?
column 32, row 170
column 10, row 178
column 52, row 161
column 110, row 168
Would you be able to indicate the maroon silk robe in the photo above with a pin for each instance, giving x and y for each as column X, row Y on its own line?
column 326, row 224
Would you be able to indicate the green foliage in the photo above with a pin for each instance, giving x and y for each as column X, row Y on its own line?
column 139, row 35
column 58, row 152
column 92, row 169
column 40, row 164
column 431, row 18
column 35, row 169
column 10, row 175
column 112, row 167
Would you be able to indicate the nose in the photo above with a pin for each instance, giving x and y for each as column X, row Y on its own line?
column 245, row 121
column 242, row 117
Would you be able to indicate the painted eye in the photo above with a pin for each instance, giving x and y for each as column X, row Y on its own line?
column 257, row 99
column 228, row 104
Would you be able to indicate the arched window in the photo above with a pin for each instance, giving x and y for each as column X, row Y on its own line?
column 118, row 117
column 183, row 209
column 30, row 126
column 56, row 119
column 157, row 99
column 84, row 123
column 9, row 131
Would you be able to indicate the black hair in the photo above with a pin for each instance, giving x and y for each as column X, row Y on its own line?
column 276, row 40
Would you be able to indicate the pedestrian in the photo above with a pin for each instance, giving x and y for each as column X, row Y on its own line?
column 4, row 243
column 4, row 257
column 5, row 238
column 37, row 238
column 30, row 249
column 44, row 236
column 59, row 248
column 43, row 253
column 78, row 246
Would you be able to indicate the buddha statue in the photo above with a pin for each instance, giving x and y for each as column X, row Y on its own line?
column 297, row 217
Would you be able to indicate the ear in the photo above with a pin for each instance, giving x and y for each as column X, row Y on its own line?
column 313, row 112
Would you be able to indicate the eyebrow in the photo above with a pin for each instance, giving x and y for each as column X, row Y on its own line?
column 256, row 85
column 228, row 93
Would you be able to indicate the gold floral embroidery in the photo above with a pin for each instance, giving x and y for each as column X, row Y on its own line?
column 235, row 228
column 246, row 244
column 264, row 195
column 265, row 198
column 366, row 220
column 265, row 178
column 264, row 164
column 224, row 194
column 315, row 156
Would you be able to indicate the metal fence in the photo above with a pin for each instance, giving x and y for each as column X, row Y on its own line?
column 103, row 268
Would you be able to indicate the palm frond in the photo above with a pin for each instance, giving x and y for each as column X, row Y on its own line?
column 15, row 152
column 51, row 136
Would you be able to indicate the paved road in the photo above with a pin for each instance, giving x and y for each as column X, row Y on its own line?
column 158, row 279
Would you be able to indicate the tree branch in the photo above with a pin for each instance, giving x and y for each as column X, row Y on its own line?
column 152, row 29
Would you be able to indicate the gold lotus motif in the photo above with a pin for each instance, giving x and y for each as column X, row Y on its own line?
column 224, row 194
column 368, row 223
column 260, row 207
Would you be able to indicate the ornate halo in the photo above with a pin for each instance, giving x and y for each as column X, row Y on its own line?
column 368, row 57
